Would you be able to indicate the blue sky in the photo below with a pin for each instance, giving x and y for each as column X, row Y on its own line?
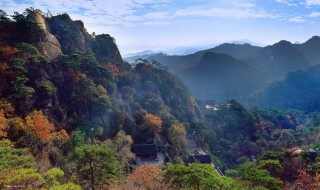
column 164, row 24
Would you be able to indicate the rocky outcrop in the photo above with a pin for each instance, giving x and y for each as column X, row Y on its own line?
column 106, row 50
column 63, row 35
column 48, row 45
column 72, row 35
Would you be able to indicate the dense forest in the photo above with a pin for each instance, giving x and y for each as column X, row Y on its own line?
column 71, row 111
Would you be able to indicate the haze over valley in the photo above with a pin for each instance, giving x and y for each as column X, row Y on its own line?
column 243, row 72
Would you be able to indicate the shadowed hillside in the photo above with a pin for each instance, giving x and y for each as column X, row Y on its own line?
column 221, row 77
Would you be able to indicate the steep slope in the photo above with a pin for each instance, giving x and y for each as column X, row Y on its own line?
column 73, row 36
column 310, row 49
column 221, row 77
column 58, row 35
column 48, row 45
column 80, row 81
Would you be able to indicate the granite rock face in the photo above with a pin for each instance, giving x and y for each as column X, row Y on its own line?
column 63, row 35
column 71, row 34
column 48, row 45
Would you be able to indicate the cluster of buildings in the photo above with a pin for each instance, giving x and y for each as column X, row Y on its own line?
column 152, row 154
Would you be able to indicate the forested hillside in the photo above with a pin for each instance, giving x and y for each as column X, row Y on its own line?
column 284, row 142
column 62, row 88
column 299, row 90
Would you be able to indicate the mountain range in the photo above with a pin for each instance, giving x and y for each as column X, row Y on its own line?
column 237, row 71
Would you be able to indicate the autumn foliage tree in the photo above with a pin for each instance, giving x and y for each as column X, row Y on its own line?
column 177, row 137
column 147, row 177
column 122, row 144
column 304, row 181
column 39, row 124
column 7, row 108
column 152, row 123
column 8, row 53
column 59, row 138
column 3, row 125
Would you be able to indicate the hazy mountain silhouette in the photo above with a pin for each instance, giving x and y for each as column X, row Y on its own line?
column 240, row 51
column 310, row 49
column 178, row 62
column 221, row 77
column 278, row 59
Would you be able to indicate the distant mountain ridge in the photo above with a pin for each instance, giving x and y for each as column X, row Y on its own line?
column 263, row 65
column 278, row 59
column 141, row 53
column 238, row 51
column 219, row 78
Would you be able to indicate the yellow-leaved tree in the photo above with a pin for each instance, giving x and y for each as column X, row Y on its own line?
column 152, row 123
column 3, row 125
column 177, row 137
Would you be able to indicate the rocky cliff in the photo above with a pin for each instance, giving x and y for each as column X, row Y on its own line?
column 48, row 45
column 58, row 35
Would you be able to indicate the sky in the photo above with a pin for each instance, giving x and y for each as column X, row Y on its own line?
column 139, row 25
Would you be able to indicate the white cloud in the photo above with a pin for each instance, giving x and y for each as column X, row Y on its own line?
column 148, row 17
column 312, row 2
column 246, row 5
column 112, row 12
column 235, row 13
column 297, row 19
column 156, row 15
column 288, row 2
column 151, row 23
column 314, row 14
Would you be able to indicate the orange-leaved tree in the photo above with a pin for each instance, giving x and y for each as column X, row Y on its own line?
column 39, row 124
column 8, row 53
column 153, row 123
column 147, row 176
